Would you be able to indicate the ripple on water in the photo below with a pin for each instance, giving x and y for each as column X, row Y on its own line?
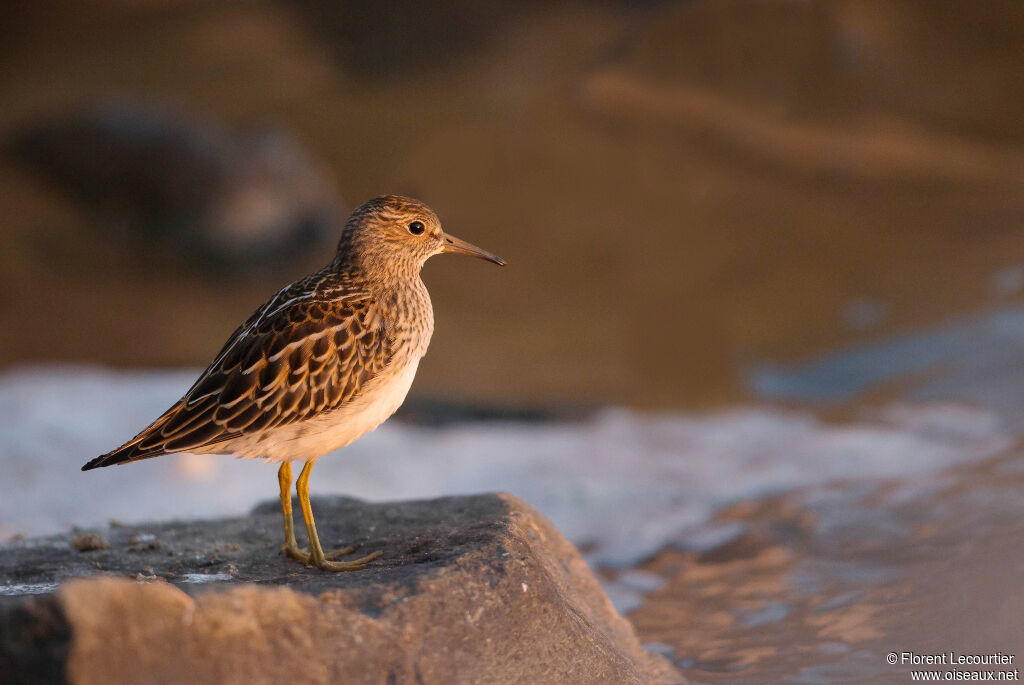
column 799, row 599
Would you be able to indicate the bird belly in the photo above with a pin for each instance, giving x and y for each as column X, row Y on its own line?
column 310, row 439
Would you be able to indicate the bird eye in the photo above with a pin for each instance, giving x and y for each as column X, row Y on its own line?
column 416, row 228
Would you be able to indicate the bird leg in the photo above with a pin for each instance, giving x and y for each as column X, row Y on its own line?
column 316, row 552
column 291, row 546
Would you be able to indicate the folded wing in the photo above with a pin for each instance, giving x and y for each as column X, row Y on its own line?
column 299, row 356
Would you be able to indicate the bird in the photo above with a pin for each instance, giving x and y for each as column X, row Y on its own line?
column 325, row 360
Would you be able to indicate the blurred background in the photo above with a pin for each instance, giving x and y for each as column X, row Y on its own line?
column 763, row 317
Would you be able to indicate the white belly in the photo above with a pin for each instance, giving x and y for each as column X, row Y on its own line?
column 311, row 439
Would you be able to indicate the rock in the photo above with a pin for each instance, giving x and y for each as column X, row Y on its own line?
column 163, row 178
column 89, row 542
column 469, row 589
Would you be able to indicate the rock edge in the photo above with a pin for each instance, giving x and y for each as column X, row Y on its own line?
column 469, row 589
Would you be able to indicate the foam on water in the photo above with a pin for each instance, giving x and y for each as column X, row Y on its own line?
column 622, row 483
column 27, row 589
column 204, row 577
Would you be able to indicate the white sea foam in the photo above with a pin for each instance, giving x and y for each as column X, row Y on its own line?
column 204, row 577
column 624, row 483
column 27, row 589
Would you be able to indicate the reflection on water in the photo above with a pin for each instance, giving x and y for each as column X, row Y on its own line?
column 820, row 583
column 825, row 582
column 971, row 359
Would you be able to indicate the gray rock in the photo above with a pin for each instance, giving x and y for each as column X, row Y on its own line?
column 469, row 589
column 164, row 179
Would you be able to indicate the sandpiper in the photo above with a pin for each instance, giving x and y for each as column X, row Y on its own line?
column 324, row 361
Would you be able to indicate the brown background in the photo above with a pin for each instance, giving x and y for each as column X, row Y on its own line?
column 680, row 188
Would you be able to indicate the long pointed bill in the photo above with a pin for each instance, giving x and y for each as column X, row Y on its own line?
column 459, row 246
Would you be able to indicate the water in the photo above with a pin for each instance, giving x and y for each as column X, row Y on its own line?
column 972, row 359
column 819, row 584
column 827, row 581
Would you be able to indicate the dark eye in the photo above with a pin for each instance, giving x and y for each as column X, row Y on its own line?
column 416, row 228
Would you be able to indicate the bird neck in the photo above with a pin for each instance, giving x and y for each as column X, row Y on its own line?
column 410, row 314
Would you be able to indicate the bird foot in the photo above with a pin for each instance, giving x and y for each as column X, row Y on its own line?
column 355, row 565
column 327, row 563
column 294, row 552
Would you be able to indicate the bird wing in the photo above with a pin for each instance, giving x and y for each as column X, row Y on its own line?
column 300, row 355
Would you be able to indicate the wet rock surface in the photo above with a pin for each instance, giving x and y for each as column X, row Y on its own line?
column 469, row 589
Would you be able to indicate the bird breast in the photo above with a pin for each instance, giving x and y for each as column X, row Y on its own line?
column 310, row 439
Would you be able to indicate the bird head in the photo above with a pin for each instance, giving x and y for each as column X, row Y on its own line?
column 398, row 234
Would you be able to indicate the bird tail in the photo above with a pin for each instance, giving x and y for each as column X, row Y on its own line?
column 135, row 449
column 125, row 454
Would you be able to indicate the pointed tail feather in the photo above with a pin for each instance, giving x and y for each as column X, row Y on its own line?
column 122, row 455
column 180, row 429
column 134, row 449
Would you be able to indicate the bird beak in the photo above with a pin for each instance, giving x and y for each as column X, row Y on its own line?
column 459, row 246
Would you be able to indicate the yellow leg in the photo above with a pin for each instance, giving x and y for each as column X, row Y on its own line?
column 316, row 552
column 291, row 546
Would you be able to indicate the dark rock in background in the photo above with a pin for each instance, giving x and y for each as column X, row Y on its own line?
column 169, row 182
column 469, row 589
